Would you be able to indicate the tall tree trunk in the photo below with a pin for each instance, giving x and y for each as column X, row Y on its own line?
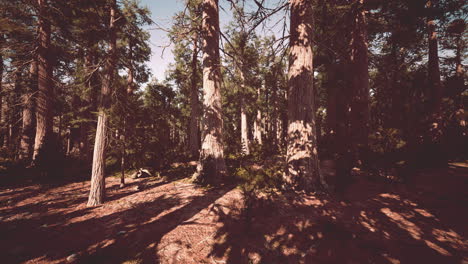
column 27, row 133
column 97, row 192
column 360, row 80
column 211, row 167
column 258, row 122
column 85, row 126
column 332, row 93
column 123, row 139
column 433, row 61
column 274, row 117
column 394, row 85
column 244, row 130
column 44, row 97
column 244, row 126
column 194, row 138
column 302, row 156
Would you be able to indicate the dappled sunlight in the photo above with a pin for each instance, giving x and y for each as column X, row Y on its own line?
column 403, row 223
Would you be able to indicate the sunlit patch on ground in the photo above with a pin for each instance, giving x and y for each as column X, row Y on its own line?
column 177, row 222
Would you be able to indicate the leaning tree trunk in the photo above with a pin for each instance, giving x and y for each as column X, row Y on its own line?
column 360, row 81
column 433, row 62
column 302, row 157
column 27, row 133
column 194, row 133
column 44, row 95
column 97, row 192
column 211, row 167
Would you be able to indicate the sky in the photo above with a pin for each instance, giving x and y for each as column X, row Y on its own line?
column 162, row 12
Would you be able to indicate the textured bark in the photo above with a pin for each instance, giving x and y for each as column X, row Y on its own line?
column 44, row 95
column 212, row 167
column 302, row 157
column 97, row 192
column 433, row 61
column 27, row 132
column 360, row 81
column 194, row 133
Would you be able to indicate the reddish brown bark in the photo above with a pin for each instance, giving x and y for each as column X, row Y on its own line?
column 97, row 192
column 211, row 167
column 27, row 132
column 302, row 154
column 44, row 95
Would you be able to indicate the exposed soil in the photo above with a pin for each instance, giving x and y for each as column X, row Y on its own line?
column 421, row 221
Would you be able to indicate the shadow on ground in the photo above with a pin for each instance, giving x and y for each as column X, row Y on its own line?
column 177, row 222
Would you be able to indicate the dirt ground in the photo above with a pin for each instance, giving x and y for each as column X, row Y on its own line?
column 421, row 221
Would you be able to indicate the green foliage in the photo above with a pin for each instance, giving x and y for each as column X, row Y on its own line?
column 386, row 140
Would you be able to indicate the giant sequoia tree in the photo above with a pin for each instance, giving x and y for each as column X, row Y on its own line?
column 302, row 153
column 44, row 96
column 211, row 167
column 96, row 195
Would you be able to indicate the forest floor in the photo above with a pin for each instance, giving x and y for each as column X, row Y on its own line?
column 421, row 221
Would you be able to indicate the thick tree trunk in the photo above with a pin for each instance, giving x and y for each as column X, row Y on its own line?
column 433, row 62
column 27, row 133
column 360, row 80
column 44, row 96
column 194, row 133
column 302, row 157
column 97, row 192
column 211, row 168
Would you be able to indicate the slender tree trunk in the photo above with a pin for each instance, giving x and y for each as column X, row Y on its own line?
column 43, row 100
column 274, row 110
column 394, row 86
column 194, row 138
column 123, row 137
column 97, row 192
column 332, row 91
column 258, row 122
column 302, row 156
column 244, row 125
column 360, row 80
column 27, row 133
column 433, row 61
column 211, row 167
